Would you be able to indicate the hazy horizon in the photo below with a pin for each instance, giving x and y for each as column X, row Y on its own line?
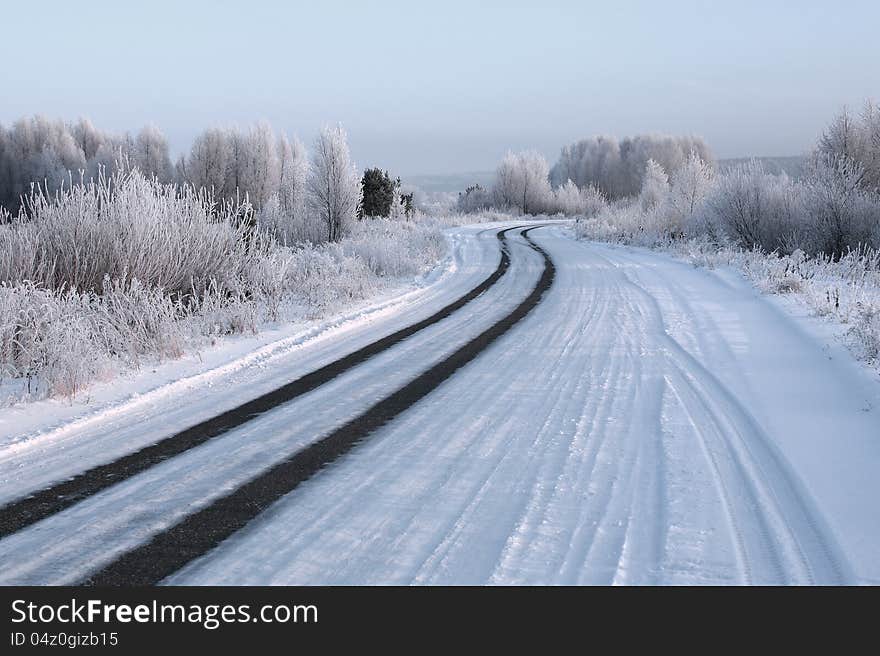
column 432, row 90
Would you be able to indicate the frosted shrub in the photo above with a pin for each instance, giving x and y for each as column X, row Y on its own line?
column 108, row 275
column 865, row 332
column 138, row 320
column 569, row 200
column 289, row 227
column 391, row 248
column 688, row 188
column 50, row 339
column 323, row 278
column 128, row 227
column 840, row 213
column 474, row 199
column 625, row 222
column 218, row 312
column 756, row 210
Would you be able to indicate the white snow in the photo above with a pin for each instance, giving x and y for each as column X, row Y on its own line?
column 649, row 422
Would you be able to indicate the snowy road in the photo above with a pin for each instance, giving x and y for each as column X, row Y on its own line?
column 641, row 421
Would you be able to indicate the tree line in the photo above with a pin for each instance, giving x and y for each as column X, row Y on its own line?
column 831, row 209
column 588, row 173
column 300, row 196
column 655, row 188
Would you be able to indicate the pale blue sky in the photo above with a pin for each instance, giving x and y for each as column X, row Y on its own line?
column 447, row 86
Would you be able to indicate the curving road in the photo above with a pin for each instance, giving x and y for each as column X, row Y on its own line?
column 548, row 412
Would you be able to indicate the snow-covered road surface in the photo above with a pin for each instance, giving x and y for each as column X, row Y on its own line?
column 647, row 422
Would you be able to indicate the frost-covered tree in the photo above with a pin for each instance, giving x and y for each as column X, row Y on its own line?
column 618, row 168
column 207, row 163
column 150, row 154
column 238, row 164
column 334, row 185
column 261, row 168
column 840, row 213
column 522, row 182
column 88, row 138
column 38, row 151
column 655, row 186
column 400, row 209
column 567, row 199
column 756, row 209
column 594, row 161
column 7, row 170
column 856, row 139
column 293, row 171
column 688, row 189
column 237, row 146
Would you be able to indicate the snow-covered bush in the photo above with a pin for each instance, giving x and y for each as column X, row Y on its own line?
column 110, row 274
column 840, row 214
column 865, row 332
column 856, row 140
column 60, row 340
column 393, row 248
column 755, row 210
column 569, row 200
column 625, row 222
column 474, row 199
column 126, row 227
column 288, row 226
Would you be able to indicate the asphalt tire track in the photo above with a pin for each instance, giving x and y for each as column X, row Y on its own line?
column 25, row 511
column 202, row 531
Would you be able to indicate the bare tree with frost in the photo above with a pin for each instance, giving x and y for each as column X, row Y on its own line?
column 293, row 170
column 618, row 168
column 522, row 182
column 655, row 186
column 150, row 154
column 687, row 191
column 207, row 163
column 334, row 184
column 857, row 139
column 261, row 172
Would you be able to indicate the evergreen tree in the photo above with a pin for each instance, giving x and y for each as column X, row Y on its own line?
column 379, row 191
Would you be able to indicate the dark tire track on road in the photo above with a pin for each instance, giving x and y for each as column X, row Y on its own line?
column 38, row 505
column 198, row 533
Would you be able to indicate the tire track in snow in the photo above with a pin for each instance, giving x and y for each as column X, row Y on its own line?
column 203, row 530
column 40, row 504
column 777, row 535
column 546, row 448
column 530, row 533
column 125, row 516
